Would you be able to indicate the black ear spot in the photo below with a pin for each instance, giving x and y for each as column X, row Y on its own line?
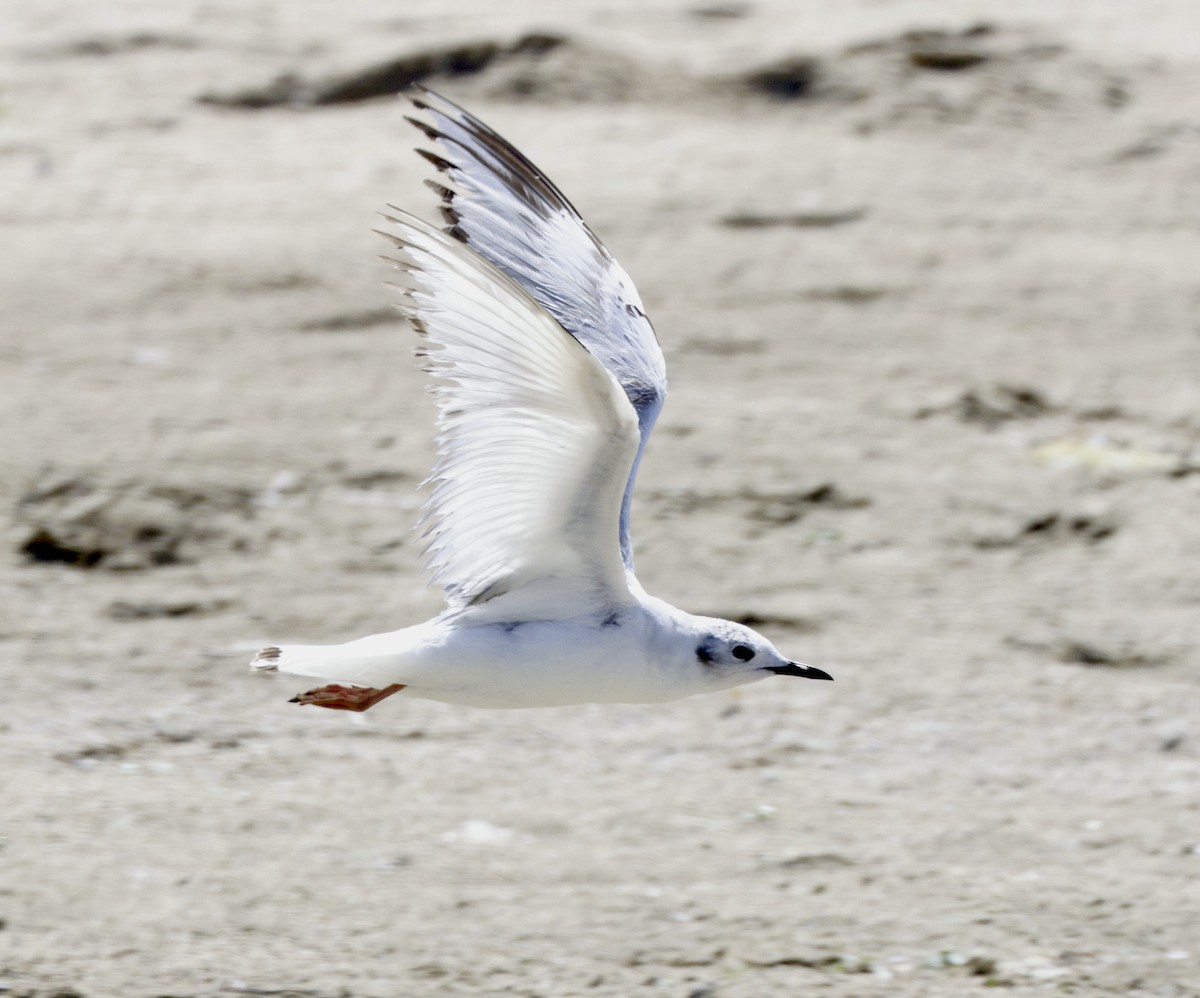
column 704, row 654
column 743, row 653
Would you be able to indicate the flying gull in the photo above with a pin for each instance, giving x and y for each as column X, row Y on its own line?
column 548, row 381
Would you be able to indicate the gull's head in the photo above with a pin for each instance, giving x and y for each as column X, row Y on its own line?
column 733, row 654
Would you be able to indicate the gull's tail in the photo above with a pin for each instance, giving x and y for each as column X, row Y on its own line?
column 273, row 659
column 336, row 663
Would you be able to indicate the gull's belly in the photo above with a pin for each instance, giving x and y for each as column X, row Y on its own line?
column 545, row 664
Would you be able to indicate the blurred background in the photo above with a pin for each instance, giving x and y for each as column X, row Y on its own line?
column 926, row 276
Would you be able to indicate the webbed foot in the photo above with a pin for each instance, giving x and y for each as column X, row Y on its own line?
column 338, row 697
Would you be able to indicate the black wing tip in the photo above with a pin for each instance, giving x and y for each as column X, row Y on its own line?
column 415, row 93
column 442, row 164
column 426, row 129
column 424, row 98
column 447, row 194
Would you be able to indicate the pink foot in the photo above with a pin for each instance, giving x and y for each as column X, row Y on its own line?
column 337, row 697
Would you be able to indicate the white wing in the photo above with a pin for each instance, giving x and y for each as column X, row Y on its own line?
column 507, row 210
column 535, row 441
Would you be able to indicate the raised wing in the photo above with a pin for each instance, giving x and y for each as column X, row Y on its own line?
column 503, row 207
column 535, row 438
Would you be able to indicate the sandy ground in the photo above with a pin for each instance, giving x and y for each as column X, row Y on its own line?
column 931, row 306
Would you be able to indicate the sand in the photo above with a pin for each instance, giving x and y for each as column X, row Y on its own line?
column 930, row 307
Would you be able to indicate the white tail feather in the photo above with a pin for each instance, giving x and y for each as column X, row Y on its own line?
column 316, row 661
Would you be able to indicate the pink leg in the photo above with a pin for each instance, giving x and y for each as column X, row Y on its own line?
column 337, row 697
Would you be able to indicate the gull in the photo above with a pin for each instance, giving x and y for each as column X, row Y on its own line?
column 547, row 379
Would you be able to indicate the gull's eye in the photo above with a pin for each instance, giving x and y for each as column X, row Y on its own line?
column 743, row 653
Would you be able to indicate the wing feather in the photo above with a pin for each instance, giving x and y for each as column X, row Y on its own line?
column 500, row 204
column 535, row 438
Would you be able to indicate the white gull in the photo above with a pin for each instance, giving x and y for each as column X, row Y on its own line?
column 549, row 379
